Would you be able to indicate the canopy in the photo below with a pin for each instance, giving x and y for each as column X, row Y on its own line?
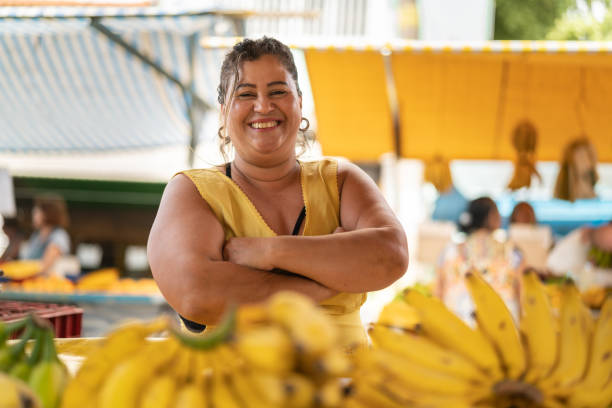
column 457, row 99
column 104, row 78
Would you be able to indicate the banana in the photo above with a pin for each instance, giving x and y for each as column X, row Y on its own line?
column 16, row 394
column 401, row 315
column 416, row 377
column 125, row 382
column 267, row 348
column 538, row 327
column 245, row 391
column 123, row 342
column 592, row 398
column 159, row 393
column 599, row 366
column 190, row 396
column 574, row 342
column 334, row 362
column 9, row 356
column 330, row 394
column 50, row 376
column 368, row 394
column 496, row 322
column 425, row 353
column 311, row 330
column 221, row 394
column 446, row 329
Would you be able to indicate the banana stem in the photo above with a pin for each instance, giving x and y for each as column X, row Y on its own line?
column 6, row 329
column 211, row 339
column 37, row 350
column 48, row 349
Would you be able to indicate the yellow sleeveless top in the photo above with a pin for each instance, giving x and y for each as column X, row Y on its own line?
column 240, row 218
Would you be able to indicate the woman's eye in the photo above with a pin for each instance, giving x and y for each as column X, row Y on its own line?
column 246, row 95
column 279, row 92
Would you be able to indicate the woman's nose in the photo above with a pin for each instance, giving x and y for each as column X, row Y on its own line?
column 263, row 104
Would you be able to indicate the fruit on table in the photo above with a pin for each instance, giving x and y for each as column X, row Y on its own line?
column 35, row 378
column 549, row 360
column 21, row 269
column 99, row 280
column 283, row 353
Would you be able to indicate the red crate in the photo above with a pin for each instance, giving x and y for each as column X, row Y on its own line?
column 66, row 320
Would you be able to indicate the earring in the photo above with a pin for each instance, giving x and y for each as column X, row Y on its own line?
column 220, row 132
column 305, row 128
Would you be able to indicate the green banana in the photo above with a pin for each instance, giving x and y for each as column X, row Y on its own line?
column 23, row 368
column 6, row 329
column 49, row 377
column 9, row 356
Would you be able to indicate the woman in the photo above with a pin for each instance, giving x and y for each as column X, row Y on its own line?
column 267, row 222
column 498, row 260
column 50, row 241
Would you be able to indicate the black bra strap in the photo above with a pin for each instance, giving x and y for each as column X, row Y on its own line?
column 228, row 170
column 298, row 223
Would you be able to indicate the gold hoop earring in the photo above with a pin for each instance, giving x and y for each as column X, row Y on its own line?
column 305, row 128
column 219, row 133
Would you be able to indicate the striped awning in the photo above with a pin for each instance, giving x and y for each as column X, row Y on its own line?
column 103, row 78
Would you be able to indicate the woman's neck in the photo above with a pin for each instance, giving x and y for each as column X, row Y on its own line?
column 273, row 177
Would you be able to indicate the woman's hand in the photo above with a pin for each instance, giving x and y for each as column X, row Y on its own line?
column 249, row 252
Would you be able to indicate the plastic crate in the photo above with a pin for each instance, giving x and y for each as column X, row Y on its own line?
column 66, row 320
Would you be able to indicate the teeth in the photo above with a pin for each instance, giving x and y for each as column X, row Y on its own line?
column 263, row 125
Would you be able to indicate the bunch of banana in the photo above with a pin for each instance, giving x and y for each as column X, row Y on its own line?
column 42, row 371
column 283, row 353
column 548, row 360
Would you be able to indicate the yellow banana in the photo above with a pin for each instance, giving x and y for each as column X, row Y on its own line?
column 300, row 391
column 181, row 367
column 245, row 390
column 401, row 315
column 599, row 366
column 16, row 394
column 592, row 398
column 158, row 393
column 221, row 395
column 496, row 322
column 311, row 330
column 120, row 344
column 368, row 394
column 124, row 384
column 267, row 348
column 573, row 344
column 448, row 330
column 190, row 396
column 538, row 327
column 331, row 363
column 416, row 377
column 330, row 394
column 424, row 352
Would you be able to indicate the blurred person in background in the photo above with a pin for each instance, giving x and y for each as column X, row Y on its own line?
column 523, row 213
column 497, row 259
column 15, row 235
column 266, row 222
column 49, row 241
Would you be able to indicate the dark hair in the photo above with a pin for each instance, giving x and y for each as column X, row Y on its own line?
column 476, row 214
column 54, row 210
column 252, row 50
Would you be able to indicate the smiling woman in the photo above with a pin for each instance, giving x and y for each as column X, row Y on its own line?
column 266, row 221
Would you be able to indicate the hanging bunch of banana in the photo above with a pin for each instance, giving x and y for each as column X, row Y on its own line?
column 436, row 360
column 283, row 353
column 34, row 378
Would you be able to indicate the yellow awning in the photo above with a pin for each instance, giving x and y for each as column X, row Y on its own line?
column 351, row 104
column 466, row 104
column 460, row 99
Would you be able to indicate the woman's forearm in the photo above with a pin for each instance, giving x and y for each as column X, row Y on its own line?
column 356, row 261
column 203, row 290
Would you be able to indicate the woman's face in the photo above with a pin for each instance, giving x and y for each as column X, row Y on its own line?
column 264, row 117
column 38, row 218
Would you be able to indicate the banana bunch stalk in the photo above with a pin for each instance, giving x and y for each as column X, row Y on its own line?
column 283, row 353
column 36, row 378
column 548, row 360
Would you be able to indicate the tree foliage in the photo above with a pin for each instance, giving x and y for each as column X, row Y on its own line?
column 527, row 19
